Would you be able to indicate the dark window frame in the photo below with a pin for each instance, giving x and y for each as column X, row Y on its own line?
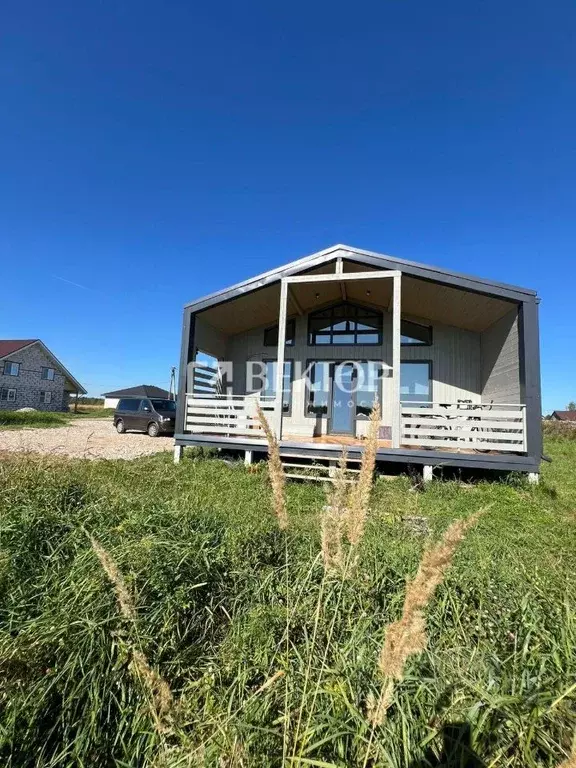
column 291, row 379
column 359, row 308
column 290, row 338
column 415, row 343
column 11, row 362
column 308, row 391
column 333, row 363
column 47, row 378
column 4, row 394
column 430, row 379
column 43, row 393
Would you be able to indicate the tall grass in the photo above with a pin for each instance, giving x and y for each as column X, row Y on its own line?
column 265, row 652
column 19, row 419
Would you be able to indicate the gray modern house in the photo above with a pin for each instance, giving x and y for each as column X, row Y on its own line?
column 32, row 377
column 453, row 361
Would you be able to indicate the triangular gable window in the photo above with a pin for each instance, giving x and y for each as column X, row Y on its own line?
column 344, row 325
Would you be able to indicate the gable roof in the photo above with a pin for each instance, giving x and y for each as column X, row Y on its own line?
column 565, row 415
column 370, row 258
column 12, row 346
column 9, row 346
column 143, row 390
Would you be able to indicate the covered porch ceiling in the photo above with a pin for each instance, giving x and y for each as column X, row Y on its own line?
column 432, row 301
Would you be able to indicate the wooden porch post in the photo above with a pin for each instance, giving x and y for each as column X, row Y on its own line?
column 280, row 358
column 396, row 318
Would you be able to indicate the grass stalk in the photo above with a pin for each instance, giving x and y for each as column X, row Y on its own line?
column 359, row 500
column 276, row 471
column 333, row 518
column 407, row 636
column 159, row 693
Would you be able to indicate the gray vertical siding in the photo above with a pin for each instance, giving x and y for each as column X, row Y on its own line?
column 500, row 361
column 455, row 356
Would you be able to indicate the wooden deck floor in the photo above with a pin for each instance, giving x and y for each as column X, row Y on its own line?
column 335, row 440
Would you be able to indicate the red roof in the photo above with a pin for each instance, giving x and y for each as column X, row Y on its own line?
column 8, row 346
column 565, row 415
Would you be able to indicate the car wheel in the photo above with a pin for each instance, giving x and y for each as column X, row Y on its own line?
column 153, row 429
column 120, row 428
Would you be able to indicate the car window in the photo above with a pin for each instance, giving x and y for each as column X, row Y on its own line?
column 145, row 405
column 130, row 404
column 164, row 405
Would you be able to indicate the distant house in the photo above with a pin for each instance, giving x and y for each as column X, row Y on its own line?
column 566, row 416
column 144, row 390
column 32, row 377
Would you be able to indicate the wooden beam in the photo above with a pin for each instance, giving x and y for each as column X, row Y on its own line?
column 280, row 357
column 396, row 349
column 329, row 278
column 339, row 269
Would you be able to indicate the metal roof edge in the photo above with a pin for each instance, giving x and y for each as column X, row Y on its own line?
column 435, row 274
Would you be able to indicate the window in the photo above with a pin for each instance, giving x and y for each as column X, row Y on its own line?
column 414, row 334
column 318, row 389
column 8, row 394
column 129, row 404
column 47, row 373
column 164, row 405
column 367, row 387
column 271, row 335
column 46, row 397
column 269, row 388
column 345, row 324
column 11, row 369
column 416, row 382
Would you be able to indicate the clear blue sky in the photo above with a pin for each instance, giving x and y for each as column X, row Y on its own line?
column 153, row 152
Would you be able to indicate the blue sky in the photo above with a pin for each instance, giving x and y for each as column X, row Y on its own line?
column 154, row 152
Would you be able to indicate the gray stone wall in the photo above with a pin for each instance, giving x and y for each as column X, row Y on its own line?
column 28, row 384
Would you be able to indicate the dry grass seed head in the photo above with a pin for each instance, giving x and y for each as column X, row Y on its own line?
column 275, row 471
column 570, row 763
column 333, row 517
column 158, row 689
column 123, row 597
column 360, row 493
column 408, row 635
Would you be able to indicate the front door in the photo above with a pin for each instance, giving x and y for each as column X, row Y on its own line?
column 343, row 411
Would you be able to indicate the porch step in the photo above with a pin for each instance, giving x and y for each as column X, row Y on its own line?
column 333, row 459
column 312, row 470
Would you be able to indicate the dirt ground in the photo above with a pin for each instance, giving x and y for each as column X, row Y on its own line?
column 85, row 438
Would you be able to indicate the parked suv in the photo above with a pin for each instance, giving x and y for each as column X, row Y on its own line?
column 145, row 414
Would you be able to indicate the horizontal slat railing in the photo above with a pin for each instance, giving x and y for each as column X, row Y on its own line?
column 231, row 415
column 465, row 426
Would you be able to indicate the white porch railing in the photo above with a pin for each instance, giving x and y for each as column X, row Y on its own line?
column 471, row 426
column 227, row 415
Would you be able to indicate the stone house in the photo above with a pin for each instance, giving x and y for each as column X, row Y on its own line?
column 32, row 377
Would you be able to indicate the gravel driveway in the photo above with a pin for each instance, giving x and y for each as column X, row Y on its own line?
column 84, row 438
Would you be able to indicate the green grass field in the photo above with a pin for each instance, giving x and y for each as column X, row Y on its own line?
column 46, row 419
column 270, row 661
